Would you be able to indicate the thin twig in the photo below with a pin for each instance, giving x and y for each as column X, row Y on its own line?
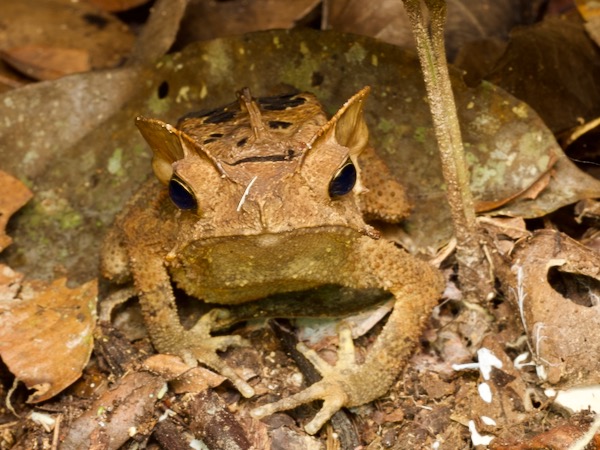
column 427, row 18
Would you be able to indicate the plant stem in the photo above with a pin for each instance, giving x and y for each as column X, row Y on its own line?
column 427, row 18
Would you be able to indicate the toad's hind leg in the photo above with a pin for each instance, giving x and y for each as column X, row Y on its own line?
column 416, row 287
column 158, row 306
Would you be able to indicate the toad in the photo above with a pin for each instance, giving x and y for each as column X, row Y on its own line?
column 261, row 197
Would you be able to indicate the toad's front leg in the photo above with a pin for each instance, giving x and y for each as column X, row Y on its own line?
column 416, row 287
column 166, row 332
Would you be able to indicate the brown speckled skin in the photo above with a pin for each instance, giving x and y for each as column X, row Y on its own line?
column 265, row 223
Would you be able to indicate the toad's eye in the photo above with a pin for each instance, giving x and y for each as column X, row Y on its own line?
column 343, row 181
column 181, row 194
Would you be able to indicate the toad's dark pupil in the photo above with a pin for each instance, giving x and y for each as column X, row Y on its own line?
column 181, row 195
column 343, row 181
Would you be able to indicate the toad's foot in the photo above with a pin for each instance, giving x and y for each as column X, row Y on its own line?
column 345, row 384
column 197, row 344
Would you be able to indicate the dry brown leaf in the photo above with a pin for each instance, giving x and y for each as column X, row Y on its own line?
column 555, row 284
column 10, row 283
column 209, row 19
column 512, row 227
column 509, row 395
column 117, row 5
column 183, row 378
column 562, row 437
column 109, row 421
column 591, row 239
column 478, row 58
column 589, row 209
column 47, row 63
column 468, row 20
column 13, row 195
column 590, row 11
column 60, row 25
column 159, row 33
column 383, row 19
column 46, row 334
column 9, row 79
column 210, row 416
column 538, row 187
column 504, row 231
column 553, row 66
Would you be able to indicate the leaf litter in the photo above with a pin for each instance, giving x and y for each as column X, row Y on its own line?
column 40, row 319
column 81, row 179
column 34, row 28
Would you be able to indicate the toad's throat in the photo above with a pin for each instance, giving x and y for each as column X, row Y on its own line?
column 243, row 268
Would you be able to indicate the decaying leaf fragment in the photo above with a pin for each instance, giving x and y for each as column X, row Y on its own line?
column 235, row 17
column 117, row 5
column 467, row 20
column 41, row 62
column 555, row 283
column 182, row 377
column 590, row 11
column 117, row 415
column 561, row 437
column 553, row 67
column 46, row 333
column 13, row 195
column 72, row 25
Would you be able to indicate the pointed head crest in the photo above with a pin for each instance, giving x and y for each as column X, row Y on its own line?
column 256, row 120
column 343, row 138
column 168, row 145
column 347, row 127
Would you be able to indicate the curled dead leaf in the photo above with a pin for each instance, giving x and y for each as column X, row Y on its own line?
column 14, row 195
column 568, row 184
column 46, row 334
column 66, row 25
column 47, row 63
column 555, row 283
column 9, row 79
column 504, row 231
column 530, row 192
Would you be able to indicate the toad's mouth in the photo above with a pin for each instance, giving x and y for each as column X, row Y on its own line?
column 237, row 269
